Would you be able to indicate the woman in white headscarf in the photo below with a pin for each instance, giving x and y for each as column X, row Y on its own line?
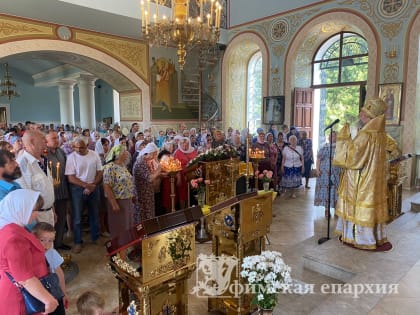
column 147, row 174
column 21, row 253
column 184, row 154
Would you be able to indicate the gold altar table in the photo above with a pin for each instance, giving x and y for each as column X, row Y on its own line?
column 239, row 227
column 153, row 261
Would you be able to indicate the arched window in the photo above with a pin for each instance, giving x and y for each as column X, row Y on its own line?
column 339, row 75
column 342, row 59
column 254, row 91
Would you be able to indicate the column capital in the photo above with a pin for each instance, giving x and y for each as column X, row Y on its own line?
column 86, row 79
column 66, row 83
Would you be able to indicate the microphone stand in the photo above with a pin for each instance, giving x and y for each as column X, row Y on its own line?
column 324, row 239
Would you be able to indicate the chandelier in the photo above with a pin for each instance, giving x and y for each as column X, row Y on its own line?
column 180, row 29
column 7, row 84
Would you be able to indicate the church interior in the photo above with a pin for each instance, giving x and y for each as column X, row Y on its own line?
column 223, row 64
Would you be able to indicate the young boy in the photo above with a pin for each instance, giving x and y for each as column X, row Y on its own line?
column 46, row 234
column 91, row 303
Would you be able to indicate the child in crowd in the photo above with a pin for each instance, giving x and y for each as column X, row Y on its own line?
column 46, row 234
column 91, row 303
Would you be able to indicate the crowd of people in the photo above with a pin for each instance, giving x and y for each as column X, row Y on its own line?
column 50, row 175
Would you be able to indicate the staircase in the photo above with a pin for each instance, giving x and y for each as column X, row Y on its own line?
column 191, row 90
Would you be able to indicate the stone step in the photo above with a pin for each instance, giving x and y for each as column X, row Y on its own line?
column 327, row 269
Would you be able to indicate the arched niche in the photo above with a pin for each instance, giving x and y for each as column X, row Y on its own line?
column 234, row 77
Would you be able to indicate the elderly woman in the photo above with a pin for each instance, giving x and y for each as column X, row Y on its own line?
column 21, row 253
column 184, row 154
column 147, row 175
column 292, row 166
column 119, row 190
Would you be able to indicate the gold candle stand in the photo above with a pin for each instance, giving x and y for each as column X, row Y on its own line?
column 172, row 176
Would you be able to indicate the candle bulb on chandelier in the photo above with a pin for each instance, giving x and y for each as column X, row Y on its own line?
column 217, row 15
column 143, row 22
column 201, row 9
column 211, row 12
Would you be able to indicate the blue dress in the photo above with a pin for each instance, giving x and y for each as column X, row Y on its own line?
column 321, row 188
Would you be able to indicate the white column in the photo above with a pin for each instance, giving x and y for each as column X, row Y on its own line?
column 65, row 91
column 86, row 84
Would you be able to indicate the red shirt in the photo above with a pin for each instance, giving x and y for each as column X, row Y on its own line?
column 22, row 256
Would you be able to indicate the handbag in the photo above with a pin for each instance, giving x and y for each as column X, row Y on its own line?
column 50, row 282
column 313, row 173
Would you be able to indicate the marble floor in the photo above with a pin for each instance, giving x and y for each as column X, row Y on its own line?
column 297, row 226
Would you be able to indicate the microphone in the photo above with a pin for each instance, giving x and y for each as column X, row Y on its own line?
column 332, row 124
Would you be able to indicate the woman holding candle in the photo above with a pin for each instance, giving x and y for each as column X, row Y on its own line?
column 184, row 153
column 147, row 176
column 261, row 149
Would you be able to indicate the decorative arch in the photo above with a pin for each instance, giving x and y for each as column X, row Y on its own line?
column 234, row 76
column 411, row 99
column 122, row 62
column 307, row 40
column 39, row 45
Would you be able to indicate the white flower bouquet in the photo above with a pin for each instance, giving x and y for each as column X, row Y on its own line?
column 268, row 275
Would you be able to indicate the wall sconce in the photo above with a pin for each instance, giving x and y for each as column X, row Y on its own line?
column 392, row 52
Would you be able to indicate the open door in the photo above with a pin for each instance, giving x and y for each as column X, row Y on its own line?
column 303, row 110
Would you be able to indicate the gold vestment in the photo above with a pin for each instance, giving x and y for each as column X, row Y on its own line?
column 362, row 192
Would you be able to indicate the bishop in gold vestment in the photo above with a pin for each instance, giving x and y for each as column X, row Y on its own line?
column 362, row 193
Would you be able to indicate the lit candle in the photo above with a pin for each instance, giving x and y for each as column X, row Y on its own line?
column 208, row 19
column 57, row 171
column 50, row 165
column 143, row 22
column 146, row 14
column 201, row 9
column 211, row 12
column 218, row 9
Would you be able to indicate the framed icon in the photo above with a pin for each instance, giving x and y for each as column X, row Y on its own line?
column 273, row 110
column 391, row 94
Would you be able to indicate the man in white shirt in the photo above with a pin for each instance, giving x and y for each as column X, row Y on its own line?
column 84, row 171
column 35, row 172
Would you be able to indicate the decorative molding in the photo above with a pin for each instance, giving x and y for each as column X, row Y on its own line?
column 14, row 28
column 391, row 71
column 279, row 30
column 133, row 53
column 391, row 30
column 391, row 8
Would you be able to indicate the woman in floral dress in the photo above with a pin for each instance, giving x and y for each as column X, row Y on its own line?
column 273, row 152
column 119, row 190
column 323, row 168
